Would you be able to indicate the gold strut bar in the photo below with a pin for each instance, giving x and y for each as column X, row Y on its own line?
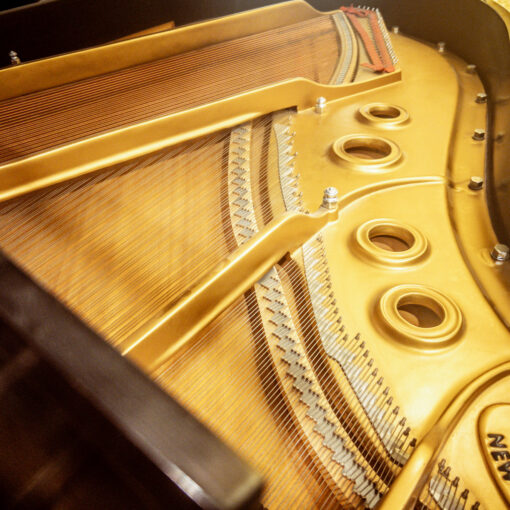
column 161, row 337
column 123, row 144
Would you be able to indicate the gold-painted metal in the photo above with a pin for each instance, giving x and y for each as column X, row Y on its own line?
column 384, row 115
column 469, row 208
column 410, row 237
column 172, row 328
column 367, row 152
column 416, row 335
column 404, row 492
column 416, row 375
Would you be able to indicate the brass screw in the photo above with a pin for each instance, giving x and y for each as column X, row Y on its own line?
column 481, row 97
column 479, row 134
column 475, row 183
column 500, row 252
column 395, row 29
column 471, row 69
column 441, row 46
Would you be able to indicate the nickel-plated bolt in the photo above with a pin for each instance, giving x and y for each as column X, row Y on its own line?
column 479, row 134
column 475, row 183
column 481, row 97
column 471, row 69
column 320, row 105
column 441, row 46
column 330, row 198
column 395, row 29
column 15, row 60
column 500, row 252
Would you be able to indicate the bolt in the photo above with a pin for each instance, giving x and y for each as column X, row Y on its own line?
column 475, row 183
column 395, row 29
column 15, row 60
column 320, row 105
column 441, row 46
column 481, row 97
column 471, row 69
column 500, row 252
column 330, row 198
column 479, row 135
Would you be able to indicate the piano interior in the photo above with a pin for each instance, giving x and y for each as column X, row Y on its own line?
column 293, row 222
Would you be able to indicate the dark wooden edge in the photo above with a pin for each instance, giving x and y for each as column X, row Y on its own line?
column 59, row 26
column 137, row 426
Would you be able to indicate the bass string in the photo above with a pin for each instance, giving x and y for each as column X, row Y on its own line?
column 348, row 427
column 114, row 107
column 122, row 109
column 12, row 231
column 234, row 335
column 199, row 178
column 73, row 206
column 381, row 467
column 82, row 90
column 266, row 443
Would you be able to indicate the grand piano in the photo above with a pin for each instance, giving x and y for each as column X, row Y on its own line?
column 259, row 260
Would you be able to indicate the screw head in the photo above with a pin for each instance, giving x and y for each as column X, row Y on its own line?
column 330, row 198
column 475, row 183
column 500, row 252
column 441, row 46
column 395, row 29
column 15, row 60
column 479, row 134
column 320, row 105
column 481, row 97
column 471, row 69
